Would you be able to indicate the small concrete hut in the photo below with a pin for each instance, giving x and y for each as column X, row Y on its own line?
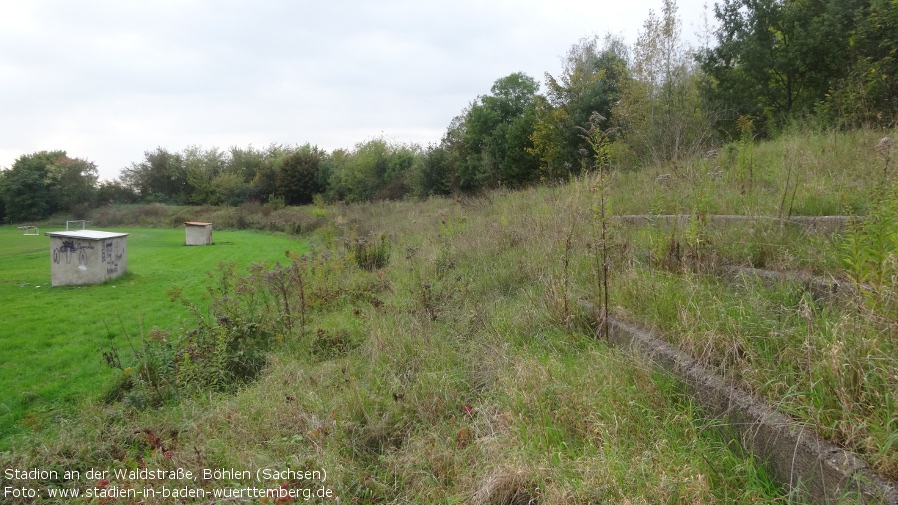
column 86, row 256
column 198, row 233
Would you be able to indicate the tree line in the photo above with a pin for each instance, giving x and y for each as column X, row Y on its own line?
column 768, row 64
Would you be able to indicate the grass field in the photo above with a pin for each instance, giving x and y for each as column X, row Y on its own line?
column 52, row 339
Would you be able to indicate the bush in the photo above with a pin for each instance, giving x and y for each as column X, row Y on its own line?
column 869, row 253
column 370, row 254
column 226, row 345
column 223, row 348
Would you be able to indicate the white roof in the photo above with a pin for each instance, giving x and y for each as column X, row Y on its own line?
column 86, row 234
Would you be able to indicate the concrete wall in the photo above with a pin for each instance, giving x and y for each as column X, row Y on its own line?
column 818, row 471
column 77, row 260
column 198, row 233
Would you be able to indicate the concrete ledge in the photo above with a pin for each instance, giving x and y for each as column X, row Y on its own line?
column 816, row 469
column 811, row 224
column 826, row 288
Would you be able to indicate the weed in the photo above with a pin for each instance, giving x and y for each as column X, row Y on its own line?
column 869, row 252
column 453, row 374
column 600, row 142
column 333, row 344
column 508, row 487
column 695, row 235
column 884, row 150
column 369, row 253
column 790, row 162
column 227, row 345
column 745, row 154
column 276, row 202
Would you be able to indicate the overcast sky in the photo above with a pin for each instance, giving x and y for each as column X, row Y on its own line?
column 108, row 80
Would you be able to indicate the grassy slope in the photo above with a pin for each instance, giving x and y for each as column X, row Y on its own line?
column 463, row 385
column 52, row 338
column 473, row 376
column 810, row 173
column 830, row 365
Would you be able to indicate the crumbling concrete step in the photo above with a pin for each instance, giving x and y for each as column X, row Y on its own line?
column 826, row 288
column 800, row 460
column 811, row 224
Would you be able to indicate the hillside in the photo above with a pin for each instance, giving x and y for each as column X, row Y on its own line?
column 438, row 351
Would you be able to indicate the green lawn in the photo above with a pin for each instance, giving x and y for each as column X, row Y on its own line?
column 52, row 339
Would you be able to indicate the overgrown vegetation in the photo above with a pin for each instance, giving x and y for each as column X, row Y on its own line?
column 435, row 351
column 458, row 364
column 225, row 346
column 869, row 252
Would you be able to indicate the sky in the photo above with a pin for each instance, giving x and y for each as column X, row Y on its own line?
column 108, row 80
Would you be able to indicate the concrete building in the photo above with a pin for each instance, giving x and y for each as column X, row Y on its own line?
column 86, row 256
column 198, row 233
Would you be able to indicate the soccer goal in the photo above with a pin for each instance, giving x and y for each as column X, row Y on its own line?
column 73, row 225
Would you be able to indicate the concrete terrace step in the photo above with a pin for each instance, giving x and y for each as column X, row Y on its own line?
column 825, row 288
column 819, row 471
column 813, row 224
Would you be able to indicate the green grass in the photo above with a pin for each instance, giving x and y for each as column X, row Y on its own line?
column 461, row 369
column 804, row 173
column 827, row 366
column 52, row 338
column 464, row 379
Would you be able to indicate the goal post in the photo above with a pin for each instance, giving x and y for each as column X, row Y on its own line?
column 73, row 225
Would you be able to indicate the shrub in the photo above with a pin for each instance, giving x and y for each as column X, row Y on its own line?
column 226, row 345
column 869, row 253
column 370, row 253
column 276, row 202
column 219, row 350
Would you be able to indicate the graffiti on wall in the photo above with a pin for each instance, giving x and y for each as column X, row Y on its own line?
column 70, row 250
column 112, row 253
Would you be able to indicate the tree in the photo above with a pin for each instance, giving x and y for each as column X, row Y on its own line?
column 26, row 193
column 777, row 59
column 26, row 196
column 161, row 177
column 42, row 183
column 433, row 175
column 375, row 170
column 72, row 182
column 868, row 94
column 462, row 176
column 357, row 175
column 228, row 188
column 400, row 161
column 590, row 82
column 660, row 112
column 200, row 168
column 116, row 191
column 497, row 132
column 2, row 201
column 264, row 181
column 297, row 176
column 245, row 162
